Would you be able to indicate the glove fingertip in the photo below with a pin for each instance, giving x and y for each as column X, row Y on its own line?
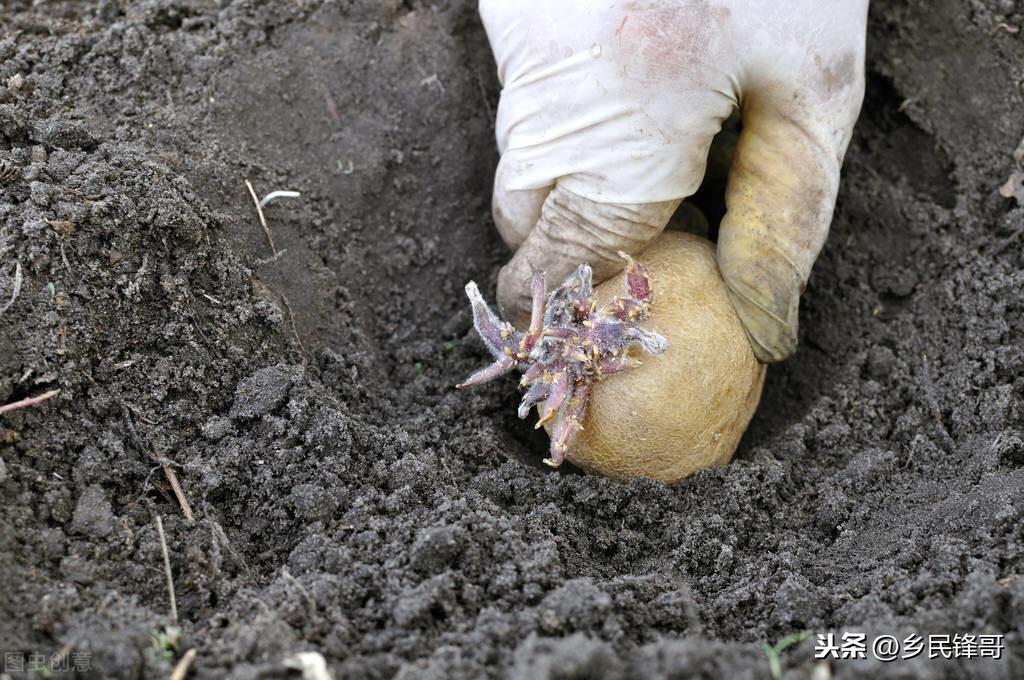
column 772, row 338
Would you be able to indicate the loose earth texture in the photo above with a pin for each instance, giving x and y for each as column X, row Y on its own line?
column 686, row 408
column 347, row 500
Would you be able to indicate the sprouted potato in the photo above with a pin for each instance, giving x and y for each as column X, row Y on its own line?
column 661, row 400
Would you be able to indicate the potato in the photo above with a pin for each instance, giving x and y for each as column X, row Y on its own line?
column 687, row 408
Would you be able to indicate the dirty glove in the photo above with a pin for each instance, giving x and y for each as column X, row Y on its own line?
column 607, row 113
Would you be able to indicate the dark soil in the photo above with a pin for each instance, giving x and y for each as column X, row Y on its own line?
column 348, row 501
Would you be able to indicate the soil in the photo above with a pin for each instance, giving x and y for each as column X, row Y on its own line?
column 347, row 500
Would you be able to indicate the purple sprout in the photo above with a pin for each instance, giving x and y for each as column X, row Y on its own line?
column 570, row 345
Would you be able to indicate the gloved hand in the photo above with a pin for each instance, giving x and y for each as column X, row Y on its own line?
column 607, row 113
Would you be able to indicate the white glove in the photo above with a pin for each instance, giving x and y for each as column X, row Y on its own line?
column 607, row 113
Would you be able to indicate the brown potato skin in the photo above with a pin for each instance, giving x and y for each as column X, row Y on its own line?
column 687, row 408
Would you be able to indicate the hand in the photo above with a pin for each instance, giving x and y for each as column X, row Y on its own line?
column 607, row 113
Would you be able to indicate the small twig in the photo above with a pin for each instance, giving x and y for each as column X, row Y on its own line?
column 59, row 655
column 136, row 439
column 167, row 569
column 64, row 256
column 274, row 258
column 483, row 96
column 274, row 195
column 30, row 401
column 181, row 670
column 332, row 107
column 1005, row 243
column 933, row 405
column 172, row 479
column 295, row 329
column 164, row 464
column 17, row 288
column 138, row 413
column 432, row 79
column 263, row 220
column 222, row 538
